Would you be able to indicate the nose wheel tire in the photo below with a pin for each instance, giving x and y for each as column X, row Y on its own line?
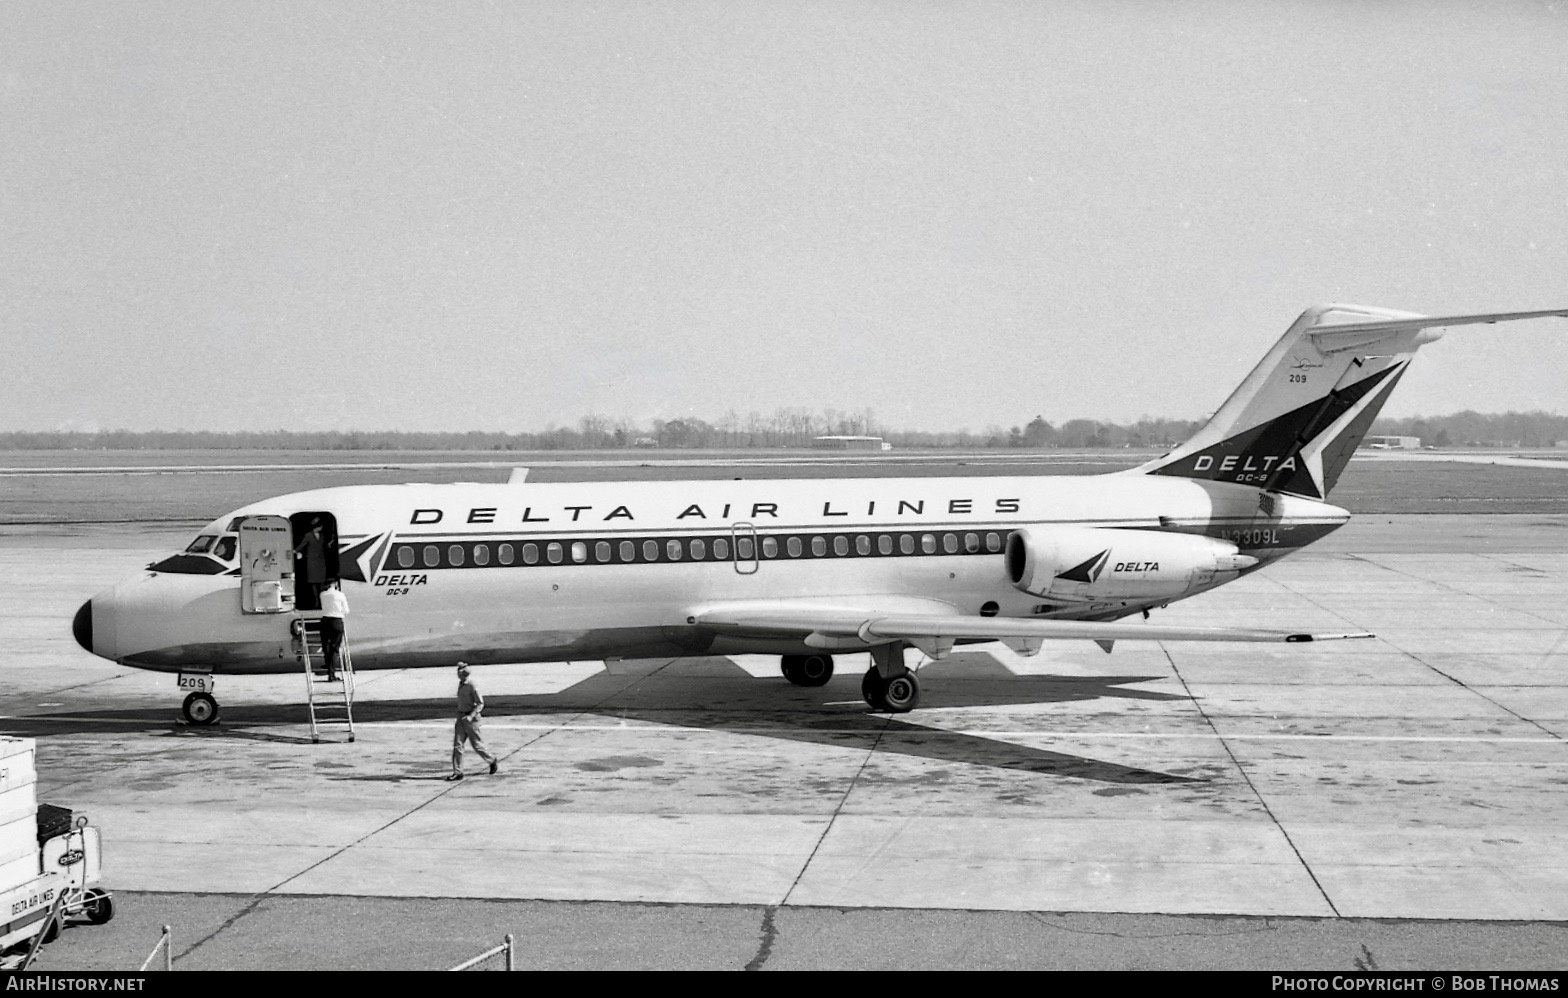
column 200, row 709
column 807, row 670
column 898, row 695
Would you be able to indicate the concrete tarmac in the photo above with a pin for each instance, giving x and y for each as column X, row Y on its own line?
column 1387, row 804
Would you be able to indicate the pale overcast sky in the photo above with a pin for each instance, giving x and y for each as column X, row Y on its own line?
column 502, row 215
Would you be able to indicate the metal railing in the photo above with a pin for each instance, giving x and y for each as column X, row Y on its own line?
column 507, row 948
column 165, row 943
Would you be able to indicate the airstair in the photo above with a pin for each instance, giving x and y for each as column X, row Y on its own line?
column 330, row 700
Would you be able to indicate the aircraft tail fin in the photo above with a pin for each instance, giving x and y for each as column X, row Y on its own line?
column 1293, row 423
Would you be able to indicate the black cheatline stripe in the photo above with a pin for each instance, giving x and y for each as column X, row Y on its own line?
column 779, row 549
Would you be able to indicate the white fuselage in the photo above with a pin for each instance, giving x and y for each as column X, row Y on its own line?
column 545, row 572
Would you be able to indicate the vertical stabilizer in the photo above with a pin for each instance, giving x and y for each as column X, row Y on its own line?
column 1293, row 424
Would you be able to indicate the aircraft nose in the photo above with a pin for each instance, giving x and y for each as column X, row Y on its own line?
column 82, row 626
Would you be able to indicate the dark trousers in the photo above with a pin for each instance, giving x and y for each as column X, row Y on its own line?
column 332, row 643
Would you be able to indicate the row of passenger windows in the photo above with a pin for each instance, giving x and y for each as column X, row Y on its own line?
column 483, row 554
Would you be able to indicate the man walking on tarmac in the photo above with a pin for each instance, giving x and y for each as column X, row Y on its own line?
column 469, row 706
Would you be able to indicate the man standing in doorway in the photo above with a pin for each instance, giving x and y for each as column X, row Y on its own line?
column 334, row 607
column 470, row 705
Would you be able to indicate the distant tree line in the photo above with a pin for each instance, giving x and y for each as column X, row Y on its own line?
column 1476, row 429
column 785, row 427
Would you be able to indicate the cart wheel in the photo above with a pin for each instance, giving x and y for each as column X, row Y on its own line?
column 99, row 907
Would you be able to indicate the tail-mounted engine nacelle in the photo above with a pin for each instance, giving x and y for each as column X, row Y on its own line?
column 1088, row 563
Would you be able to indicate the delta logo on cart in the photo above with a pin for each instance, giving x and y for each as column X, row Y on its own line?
column 71, row 857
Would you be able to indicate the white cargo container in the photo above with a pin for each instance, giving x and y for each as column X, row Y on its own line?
column 33, row 878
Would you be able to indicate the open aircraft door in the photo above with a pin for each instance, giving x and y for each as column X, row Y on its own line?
column 266, row 565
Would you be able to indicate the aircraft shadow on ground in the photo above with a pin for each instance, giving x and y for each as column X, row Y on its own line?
column 831, row 715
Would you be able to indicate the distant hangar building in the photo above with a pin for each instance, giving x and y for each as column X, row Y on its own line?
column 1392, row 443
column 850, row 443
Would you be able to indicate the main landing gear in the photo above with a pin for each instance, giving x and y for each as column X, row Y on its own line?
column 898, row 695
column 888, row 685
column 808, row 670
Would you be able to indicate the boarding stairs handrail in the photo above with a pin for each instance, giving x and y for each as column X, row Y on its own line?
column 334, row 695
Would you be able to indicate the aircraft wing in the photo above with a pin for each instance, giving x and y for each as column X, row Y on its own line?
column 932, row 624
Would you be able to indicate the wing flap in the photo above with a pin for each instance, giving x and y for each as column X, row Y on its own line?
column 997, row 628
column 932, row 622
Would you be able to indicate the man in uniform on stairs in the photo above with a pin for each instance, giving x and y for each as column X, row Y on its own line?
column 334, row 607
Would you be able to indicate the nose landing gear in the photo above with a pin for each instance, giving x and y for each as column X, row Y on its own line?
column 200, row 709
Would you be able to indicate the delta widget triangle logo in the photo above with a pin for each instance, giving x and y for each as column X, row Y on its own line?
column 1089, row 570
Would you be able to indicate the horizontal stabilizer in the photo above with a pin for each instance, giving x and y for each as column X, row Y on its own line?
column 1431, row 322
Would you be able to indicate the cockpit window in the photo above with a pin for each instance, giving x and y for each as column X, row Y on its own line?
column 198, row 557
column 188, row 564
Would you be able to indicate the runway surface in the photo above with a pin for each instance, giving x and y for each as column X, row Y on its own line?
column 1390, row 803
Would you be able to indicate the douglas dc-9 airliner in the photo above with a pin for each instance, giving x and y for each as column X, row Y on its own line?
column 528, row 572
